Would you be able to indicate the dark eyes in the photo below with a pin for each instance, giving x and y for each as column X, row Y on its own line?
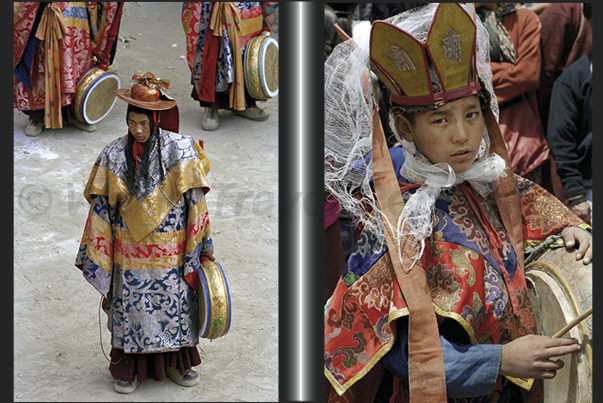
column 470, row 115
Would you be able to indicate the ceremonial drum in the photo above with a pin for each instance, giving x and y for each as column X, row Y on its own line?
column 95, row 94
column 260, row 67
column 213, row 296
column 560, row 290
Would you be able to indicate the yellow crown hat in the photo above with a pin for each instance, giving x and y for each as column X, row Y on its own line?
column 403, row 62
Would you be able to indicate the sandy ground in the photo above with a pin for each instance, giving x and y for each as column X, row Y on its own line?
column 57, row 351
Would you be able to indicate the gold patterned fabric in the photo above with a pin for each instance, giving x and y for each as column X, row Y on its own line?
column 424, row 72
column 227, row 15
column 52, row 28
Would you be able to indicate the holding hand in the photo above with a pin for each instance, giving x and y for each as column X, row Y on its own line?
column 209, row 255
column 530, row 356
column 577, row 236
column 268, row 22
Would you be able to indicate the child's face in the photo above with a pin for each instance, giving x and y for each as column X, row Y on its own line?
column 450, row 134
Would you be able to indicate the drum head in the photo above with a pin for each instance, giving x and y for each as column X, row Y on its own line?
column 213, row 297
column 95, row 95
column 269, row 59
column 100, row 98
column 555, row 305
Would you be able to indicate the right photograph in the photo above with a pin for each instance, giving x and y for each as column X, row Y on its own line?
column 458, row 202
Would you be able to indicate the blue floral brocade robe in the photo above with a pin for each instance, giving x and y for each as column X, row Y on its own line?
column 140, row 252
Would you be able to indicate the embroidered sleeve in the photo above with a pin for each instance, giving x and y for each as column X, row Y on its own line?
column 95, row 256
column 198, row 237
column 543, row 213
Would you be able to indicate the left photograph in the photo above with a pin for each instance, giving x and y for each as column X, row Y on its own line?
column 146, row 201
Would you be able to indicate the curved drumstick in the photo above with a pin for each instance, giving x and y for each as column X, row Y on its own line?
column 573, row 323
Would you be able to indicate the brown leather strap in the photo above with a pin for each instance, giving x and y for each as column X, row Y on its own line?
column 505, row 192
column 427, row 380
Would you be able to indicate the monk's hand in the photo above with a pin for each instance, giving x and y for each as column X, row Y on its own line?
column 532, row 356
column 576, row 237
column 209, row 255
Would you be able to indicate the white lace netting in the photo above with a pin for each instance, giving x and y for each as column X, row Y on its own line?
column 348, row 131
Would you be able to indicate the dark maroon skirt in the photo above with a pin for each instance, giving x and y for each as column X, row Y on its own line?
column 151, row 365
column 222, row 100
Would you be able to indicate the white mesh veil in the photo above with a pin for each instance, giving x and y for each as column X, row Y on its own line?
column 349, row 111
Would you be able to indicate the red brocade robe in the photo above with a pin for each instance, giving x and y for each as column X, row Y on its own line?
column 215, row 63
column 463, row 274
column 74, row 35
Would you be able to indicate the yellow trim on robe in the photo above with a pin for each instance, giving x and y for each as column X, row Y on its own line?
column 251, row 25
column 399, row 313
column 143, row 217
column 340, row 389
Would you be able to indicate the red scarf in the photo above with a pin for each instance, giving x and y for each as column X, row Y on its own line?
column 137, row 151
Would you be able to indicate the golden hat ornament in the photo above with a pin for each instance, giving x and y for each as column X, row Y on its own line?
column 403, row 62
column 148, row 92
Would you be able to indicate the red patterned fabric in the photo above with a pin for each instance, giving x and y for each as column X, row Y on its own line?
column 464, row 277
column 77, row 49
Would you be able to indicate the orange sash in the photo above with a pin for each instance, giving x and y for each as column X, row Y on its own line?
column 52, row 28
column 227, row 14
column 426, row 375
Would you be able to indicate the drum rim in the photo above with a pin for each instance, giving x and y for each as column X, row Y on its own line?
column 580, row 367
column 204, row 328
column 245, row 68
column 84, row 73
column 263, row 49
column 228, row 294
column 100, row 79
column 539, row 268
column 558, row 276
column 207, row 333
column 261, row 39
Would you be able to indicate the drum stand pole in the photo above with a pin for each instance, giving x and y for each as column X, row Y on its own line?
column 573, row 323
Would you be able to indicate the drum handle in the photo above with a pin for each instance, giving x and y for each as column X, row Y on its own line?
column 573, row 323
column 532, row 253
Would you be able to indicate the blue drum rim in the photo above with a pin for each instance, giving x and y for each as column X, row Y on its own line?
column 227, row 293
column 262, row 53
column 85, row 97
column 205, row 329
column 263, row 49
column 83, row 74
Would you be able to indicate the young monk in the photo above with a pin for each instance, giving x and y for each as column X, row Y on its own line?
column 433, row 304
column 146, row 234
